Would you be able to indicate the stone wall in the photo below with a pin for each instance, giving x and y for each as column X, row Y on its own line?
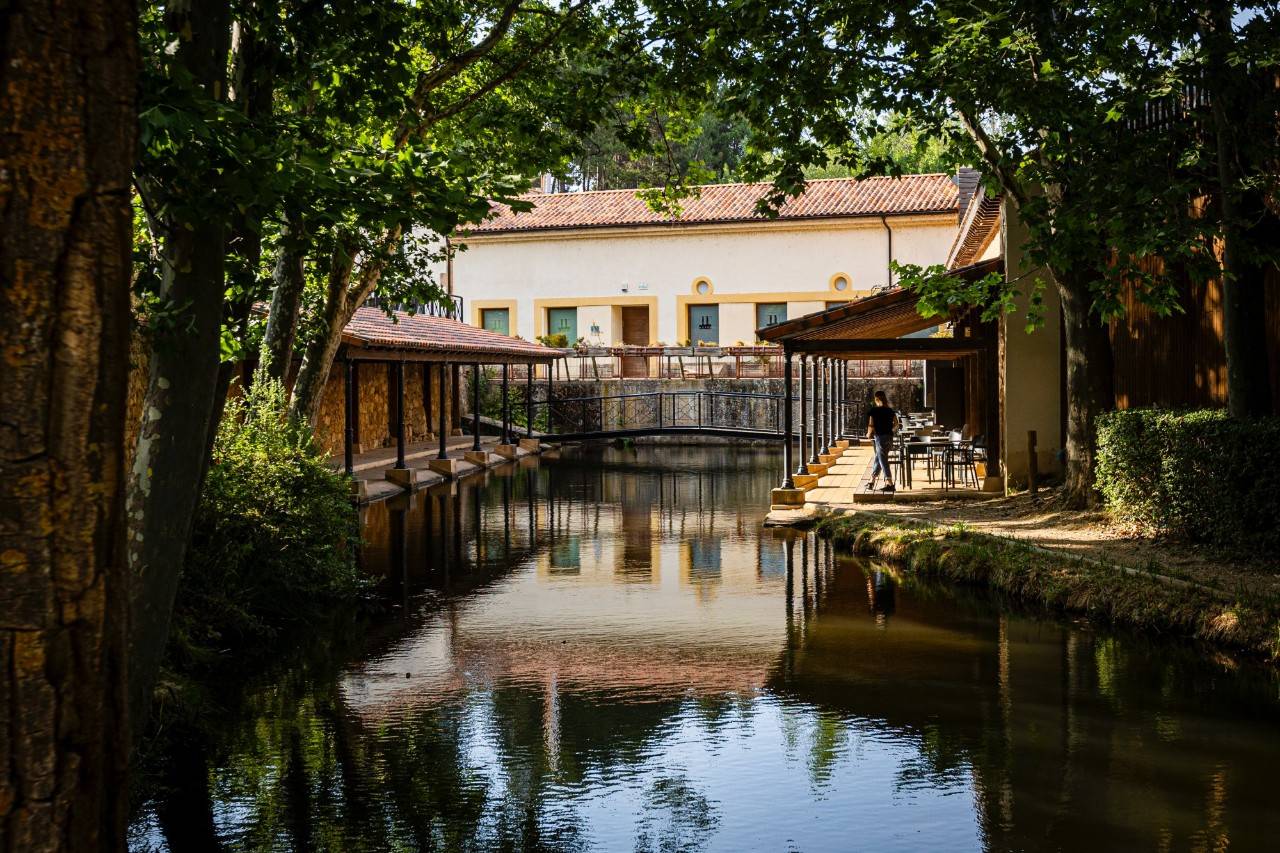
column 375, row 428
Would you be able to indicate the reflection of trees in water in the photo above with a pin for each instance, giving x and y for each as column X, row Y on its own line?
column 677, row 817
column 1071, row 739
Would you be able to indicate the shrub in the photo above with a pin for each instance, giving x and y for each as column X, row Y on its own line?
column 1199, row 474
column 274, row 536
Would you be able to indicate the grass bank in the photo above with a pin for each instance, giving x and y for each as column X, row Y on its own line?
column 1110, row 593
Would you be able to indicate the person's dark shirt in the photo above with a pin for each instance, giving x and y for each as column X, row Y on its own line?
column 881, row 419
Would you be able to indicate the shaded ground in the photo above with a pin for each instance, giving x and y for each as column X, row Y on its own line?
column 1093, row 535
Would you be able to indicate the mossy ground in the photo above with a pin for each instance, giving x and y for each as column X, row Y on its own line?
column 1062, row 583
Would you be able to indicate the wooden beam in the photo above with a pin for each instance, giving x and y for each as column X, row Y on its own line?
column 890, row 347
column 451, row 357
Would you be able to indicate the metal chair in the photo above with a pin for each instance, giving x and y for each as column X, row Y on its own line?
column 960, row 458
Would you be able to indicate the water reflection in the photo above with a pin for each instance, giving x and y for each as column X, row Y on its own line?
column 608, row 652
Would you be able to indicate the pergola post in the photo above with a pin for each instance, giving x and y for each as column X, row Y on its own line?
column 831, row 404
column 475, row 407
column 348, row 416
column 787, row 481
column 845, row 386
column 400, row 415
column 506, row 405
column 813, row 413
column 455, row 395
column 528, row 402
column 844, row 394
column 551, row 370
column 444, row 432
column 837, row 432
column 822, row 406
column 426, row 394
column 837, row 375
column 804, row 419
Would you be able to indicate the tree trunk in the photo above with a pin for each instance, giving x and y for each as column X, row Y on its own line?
column 1244, row 217
column 308, row 390
column 1244, row 331
column 177, row 409
column 251, row 89
column 1090, row 383
column 318, row 359
column 286, row 301
column 67, row 84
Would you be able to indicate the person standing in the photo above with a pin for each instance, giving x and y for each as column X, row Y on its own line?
column 882, row 425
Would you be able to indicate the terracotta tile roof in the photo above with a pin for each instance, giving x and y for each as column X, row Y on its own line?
column 371, row 327
column 827, row 198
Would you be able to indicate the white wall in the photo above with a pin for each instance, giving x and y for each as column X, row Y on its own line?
column 779, row 261
column 1030, row 366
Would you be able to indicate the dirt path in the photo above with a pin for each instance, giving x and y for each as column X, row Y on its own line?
column 1094, row 535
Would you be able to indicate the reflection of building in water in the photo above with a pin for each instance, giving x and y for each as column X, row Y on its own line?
column 571, row 617
column 641, row 556
column 771, row 556
column 564, row 556
column 1068, row 744
column 701, row 560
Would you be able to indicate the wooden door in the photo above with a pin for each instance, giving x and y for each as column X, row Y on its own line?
column 635, row 332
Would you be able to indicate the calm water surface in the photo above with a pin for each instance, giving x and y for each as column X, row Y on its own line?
column 608, row 652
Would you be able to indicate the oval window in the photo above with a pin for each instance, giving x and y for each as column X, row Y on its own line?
column 841, row 283
column 703, row 288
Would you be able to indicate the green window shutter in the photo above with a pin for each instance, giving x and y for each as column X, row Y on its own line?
column 770, row 314
column 496, row 320
column 704, row 324
column 563, row 321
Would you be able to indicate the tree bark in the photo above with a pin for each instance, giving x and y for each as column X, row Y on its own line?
column 340, row 307
column 67, row 93
column 1247, row 225
column 308, row 390
column 286, row 301
column 1090, row 383
column 179, row 402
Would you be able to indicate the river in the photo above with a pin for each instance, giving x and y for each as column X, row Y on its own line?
column 608, row 652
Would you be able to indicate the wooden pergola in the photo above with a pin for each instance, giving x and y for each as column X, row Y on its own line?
column 373, row 337
column 874, row 328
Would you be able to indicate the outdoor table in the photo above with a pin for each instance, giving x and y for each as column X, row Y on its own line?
column 916, row 446
column 911, row 446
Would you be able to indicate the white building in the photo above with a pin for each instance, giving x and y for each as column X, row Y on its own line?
column 603, row 267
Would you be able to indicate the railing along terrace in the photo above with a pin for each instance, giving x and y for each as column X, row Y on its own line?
column 450, row 306
column 754, row 362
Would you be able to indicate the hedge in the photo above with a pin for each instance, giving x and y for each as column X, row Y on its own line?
column 1199, row 474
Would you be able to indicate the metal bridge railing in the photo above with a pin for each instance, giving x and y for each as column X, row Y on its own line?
column 657, row 411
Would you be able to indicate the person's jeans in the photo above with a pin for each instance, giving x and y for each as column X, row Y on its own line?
column 882, row 445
